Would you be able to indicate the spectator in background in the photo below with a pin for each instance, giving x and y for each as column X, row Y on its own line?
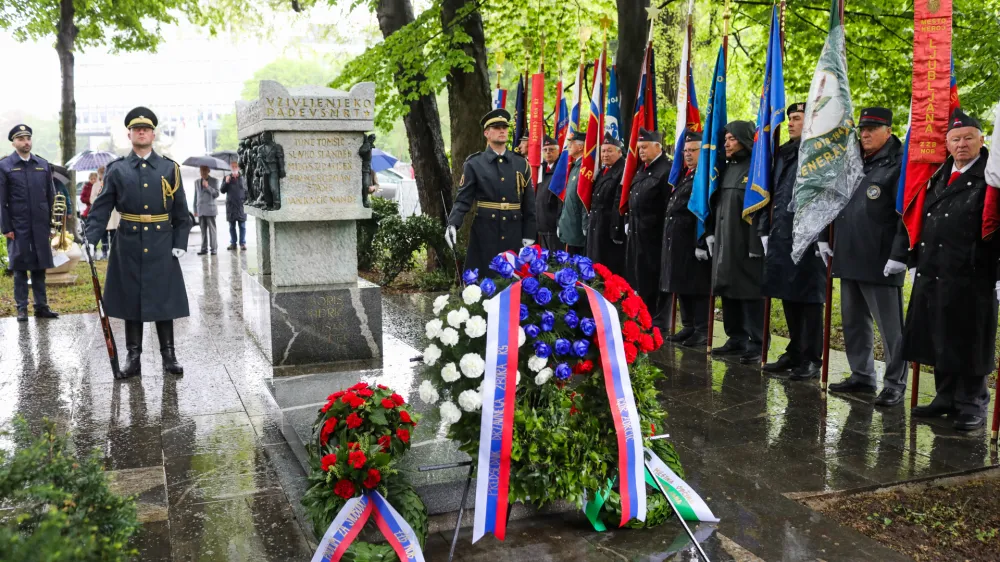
column 235, row 188
column 109, row 231
column 86, row 194
column 205, row 210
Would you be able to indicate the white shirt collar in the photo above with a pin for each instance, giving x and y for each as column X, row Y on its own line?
column 23, row 159
column 499, row 153
column 965, row 168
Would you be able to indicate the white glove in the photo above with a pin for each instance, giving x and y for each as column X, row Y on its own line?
column 893, row 267
column 525, row 242
column 913, row 276
column 710, row 242
column 91, row 250
column 702, row 255
column 178, row 253
column 997, row 288
column 559, row 232
column 763, row 241
column 626, row 229
column 825, row 252
column 450, row 236
column 754, row 256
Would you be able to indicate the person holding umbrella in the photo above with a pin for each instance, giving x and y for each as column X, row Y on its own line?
column 205, row 210
column 235, row 188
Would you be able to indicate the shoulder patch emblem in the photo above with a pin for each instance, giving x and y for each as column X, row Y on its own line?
column 874, row 191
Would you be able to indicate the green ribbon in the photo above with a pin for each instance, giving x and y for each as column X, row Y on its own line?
column 593, row 508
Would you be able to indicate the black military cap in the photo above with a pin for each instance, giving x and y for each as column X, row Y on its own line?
column 140, row 117
column 20, row 130
column 495, row 117
column 650, row 136
column 875, row 116
column 578, row 136
column 549, row 141
column 692, row 136
column 609, row 139
column 796, row 108
column 959, row 119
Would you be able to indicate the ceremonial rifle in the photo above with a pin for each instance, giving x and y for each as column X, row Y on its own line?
column 109, row 336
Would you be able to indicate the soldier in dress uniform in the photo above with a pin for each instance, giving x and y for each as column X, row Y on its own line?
column 800, row 286
column 647, row 203
column 144, row 281
column 870, row 253
column 952, row 319
column 685, row 269
column 498, row 182
column 606, row 231
column 27, row 193
column 547, row 204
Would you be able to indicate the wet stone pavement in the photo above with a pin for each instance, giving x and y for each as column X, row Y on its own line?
column 214, row 457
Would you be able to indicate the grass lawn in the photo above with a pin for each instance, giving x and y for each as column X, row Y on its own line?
column 64, row 299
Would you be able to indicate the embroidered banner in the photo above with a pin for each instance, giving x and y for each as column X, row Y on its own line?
column 931, row 105
column 688, row 502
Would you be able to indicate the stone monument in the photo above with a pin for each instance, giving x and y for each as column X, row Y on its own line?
column 302, row 300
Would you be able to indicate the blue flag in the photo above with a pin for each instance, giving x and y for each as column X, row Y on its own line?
column 770, row 114
column 614, row 114
column 519, row 112
column 706, row 177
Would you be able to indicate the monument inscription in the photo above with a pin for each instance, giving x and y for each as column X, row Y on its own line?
column 322, row 169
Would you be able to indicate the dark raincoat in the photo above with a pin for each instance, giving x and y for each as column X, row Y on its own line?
column 606, row 231
column 951, row 322
column 647, row 202
column 26, row 195
column 681, row 272
column 548, row 207
column 144, row 281
column 236, row 194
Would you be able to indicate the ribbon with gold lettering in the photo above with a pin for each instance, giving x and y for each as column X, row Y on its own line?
column 352, row 518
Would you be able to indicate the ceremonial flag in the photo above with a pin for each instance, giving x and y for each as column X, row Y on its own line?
column 560, row 174
column 520, row 122
column 562, row 117
column 613, row 116
column 688, row 116
column 829, row 157
column 595, row 132
column 499, row 98
column 991, row 206
column 644, row 115
column 770, row 114
column 706, row 176
column 536, row 125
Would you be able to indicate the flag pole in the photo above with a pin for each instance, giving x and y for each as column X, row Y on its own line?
column 766, row 344
column 711, row 291
column 996, row 412
column 826, row 320
column 915, row 385
column 500, row 59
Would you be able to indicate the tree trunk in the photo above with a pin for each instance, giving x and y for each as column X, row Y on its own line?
column 468, row 91
column 423, row 126
column 632, row 35
column 65, row 45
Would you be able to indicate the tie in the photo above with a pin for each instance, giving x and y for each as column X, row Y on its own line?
column 954, row 176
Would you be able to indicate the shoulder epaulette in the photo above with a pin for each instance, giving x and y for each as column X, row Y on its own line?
column 473, row 155
column 168, row 159
column 115, row 161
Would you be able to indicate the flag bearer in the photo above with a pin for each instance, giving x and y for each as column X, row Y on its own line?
column 647, row 202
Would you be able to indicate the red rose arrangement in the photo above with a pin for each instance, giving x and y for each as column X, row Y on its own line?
column 359, row 432
column 638, row 333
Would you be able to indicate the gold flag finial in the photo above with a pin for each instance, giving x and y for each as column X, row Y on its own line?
column 652, row 12
column 605, row 22
column 585, row 34
column 500, row 58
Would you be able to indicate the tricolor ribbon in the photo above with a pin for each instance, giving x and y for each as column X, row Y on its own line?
column 352, row 518
column 689, row 504
column 497, row 426
column 623, row 410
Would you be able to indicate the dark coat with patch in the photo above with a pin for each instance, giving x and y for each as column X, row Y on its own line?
column 26, row 195
column 647, row 203
column 548, row 207
column 494, row 179
column 681, row 272
column 144, row 281
column 869, row 232
column 951, row 322
column 735, row 274
column 783, row 279
column 606, row 231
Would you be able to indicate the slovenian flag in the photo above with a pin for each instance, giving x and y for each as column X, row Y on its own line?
column 595, row 132
column 770, row 114
column 706, row 177
column 499, row 98
column 688, row 116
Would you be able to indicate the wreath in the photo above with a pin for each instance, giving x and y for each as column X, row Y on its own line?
column 564, row 442
column 358, row 437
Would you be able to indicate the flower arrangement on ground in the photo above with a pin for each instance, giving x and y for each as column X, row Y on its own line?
column 358, row 437
column 564, row 443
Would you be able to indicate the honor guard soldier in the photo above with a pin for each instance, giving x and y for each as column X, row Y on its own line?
column 144, row 281
column 27, row 193
column 498, row 181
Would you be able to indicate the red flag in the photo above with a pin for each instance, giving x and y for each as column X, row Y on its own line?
column 642, row 116
column 595, row 132
column 536, row 125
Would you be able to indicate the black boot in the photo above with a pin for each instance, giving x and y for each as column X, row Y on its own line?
column 133, row 343
column 165, row 331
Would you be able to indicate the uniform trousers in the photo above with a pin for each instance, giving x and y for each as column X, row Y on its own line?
column 694, row 312
column 208, row 234
column 550, row 241
column 860, row 303
column 966, row 393
column 743, row 320
column 805, row 331
column 37, row 287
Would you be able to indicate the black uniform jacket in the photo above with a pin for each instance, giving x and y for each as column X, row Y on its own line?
column 26, row 196
column 548, row 206
column 647, row 202
column 681, row 272
column 500, row 186
column 606, row 231
column 951, row 322
column 144, row 281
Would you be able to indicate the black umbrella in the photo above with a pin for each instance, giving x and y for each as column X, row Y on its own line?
column 228, row 155
column 60, row 173
column 210, row 161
